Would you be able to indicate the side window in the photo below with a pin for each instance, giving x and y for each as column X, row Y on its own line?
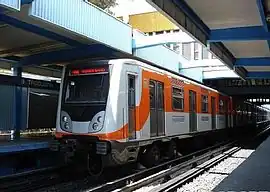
column 204, row 103
column 160, row 96
column 221, row 106
column 131, row 90
column 177, row 98
column 152, row 93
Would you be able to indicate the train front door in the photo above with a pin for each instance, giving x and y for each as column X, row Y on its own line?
column 131, row 107
column 192, row 111
column 213, row 112
column 157, row 112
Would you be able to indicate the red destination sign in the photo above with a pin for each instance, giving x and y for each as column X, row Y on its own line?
column 87, row 71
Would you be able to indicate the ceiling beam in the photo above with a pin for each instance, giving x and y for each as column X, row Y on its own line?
column 182, row 15
column 260, row 5
column 239, row 34
column 192, row 15
column 72, row 54
column 24, row 2
column 246, row 62
column 258, row 75
column 32, row 49
column 38, row 30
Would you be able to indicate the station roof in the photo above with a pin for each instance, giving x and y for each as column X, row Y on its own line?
column 237, row 32
column 41, row 40
column 36, row 35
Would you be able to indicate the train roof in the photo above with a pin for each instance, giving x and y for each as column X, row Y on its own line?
column 148, row 66
column 171, row 73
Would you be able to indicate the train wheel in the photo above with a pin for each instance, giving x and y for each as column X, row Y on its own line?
column 172, row 150
column 152, row 156
column 94, row 165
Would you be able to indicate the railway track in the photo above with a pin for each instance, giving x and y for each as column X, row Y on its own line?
column 173, row 178
column 175, row 173
column 52, row 179
column 161, row 172
column 113, row 183
column 31, row 180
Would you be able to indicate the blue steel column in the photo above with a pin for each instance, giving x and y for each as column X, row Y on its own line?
column 17, row 71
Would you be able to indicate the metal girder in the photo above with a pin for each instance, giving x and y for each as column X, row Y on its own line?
column 250, row 33
column 242, row 72
column 260, row 5
column 223, row 53
column 258, row 75
column 24, row 2
column 33, row 49
column 66, row 55
column 182, row 15
column 239, row 34
column 38, row 30
column 256, row 61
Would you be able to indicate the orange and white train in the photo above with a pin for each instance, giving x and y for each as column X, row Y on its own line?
column 119, row 111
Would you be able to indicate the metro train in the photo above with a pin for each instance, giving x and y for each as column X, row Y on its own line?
column 113, row 112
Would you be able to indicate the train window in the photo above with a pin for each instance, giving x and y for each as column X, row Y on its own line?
column 177, row 98
column 204, row 103
column 221, row 106
column 160, row 95
column 131, row 90
column 152, row 93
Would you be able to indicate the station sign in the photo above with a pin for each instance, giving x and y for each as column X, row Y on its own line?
column 240, row 83
column 32, row 83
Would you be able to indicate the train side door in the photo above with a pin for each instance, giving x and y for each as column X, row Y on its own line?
column 192, row 111
column 213, row 112
column 226, row 113
column 131, row 107
column 157, row 112
column 229, row 114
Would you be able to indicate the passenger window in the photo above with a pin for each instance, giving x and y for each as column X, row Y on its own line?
column 152, row 92
column 204, row 103
column 221, row 106
column 131, row 90
column 177, row 98
column 160, row 96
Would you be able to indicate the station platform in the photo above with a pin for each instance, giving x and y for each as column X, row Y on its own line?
column 7, row 145
column 252, row 175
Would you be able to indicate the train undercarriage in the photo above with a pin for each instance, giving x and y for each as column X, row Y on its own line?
column 92, row 155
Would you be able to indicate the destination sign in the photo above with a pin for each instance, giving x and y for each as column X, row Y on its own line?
column 74, row 72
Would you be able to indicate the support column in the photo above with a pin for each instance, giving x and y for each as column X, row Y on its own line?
column 17, row 71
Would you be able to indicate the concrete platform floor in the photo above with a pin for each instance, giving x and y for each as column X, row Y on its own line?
column 252, row 175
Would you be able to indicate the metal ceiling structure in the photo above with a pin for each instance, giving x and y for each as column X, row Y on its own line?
column 237, row 32
column 32, row 35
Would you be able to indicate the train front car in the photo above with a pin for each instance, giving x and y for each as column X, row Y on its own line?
column 81, row 113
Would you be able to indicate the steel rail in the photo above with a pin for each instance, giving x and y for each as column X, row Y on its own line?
column 180, row 180
column 163, row 169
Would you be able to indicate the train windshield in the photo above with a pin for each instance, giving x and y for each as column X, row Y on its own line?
column 87, row 88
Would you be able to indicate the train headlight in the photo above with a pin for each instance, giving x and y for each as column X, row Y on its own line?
column 94, row 126
column 99, row 119
column 66, row 126
column 65, row 122
column 65, row 119
column 96, row 123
